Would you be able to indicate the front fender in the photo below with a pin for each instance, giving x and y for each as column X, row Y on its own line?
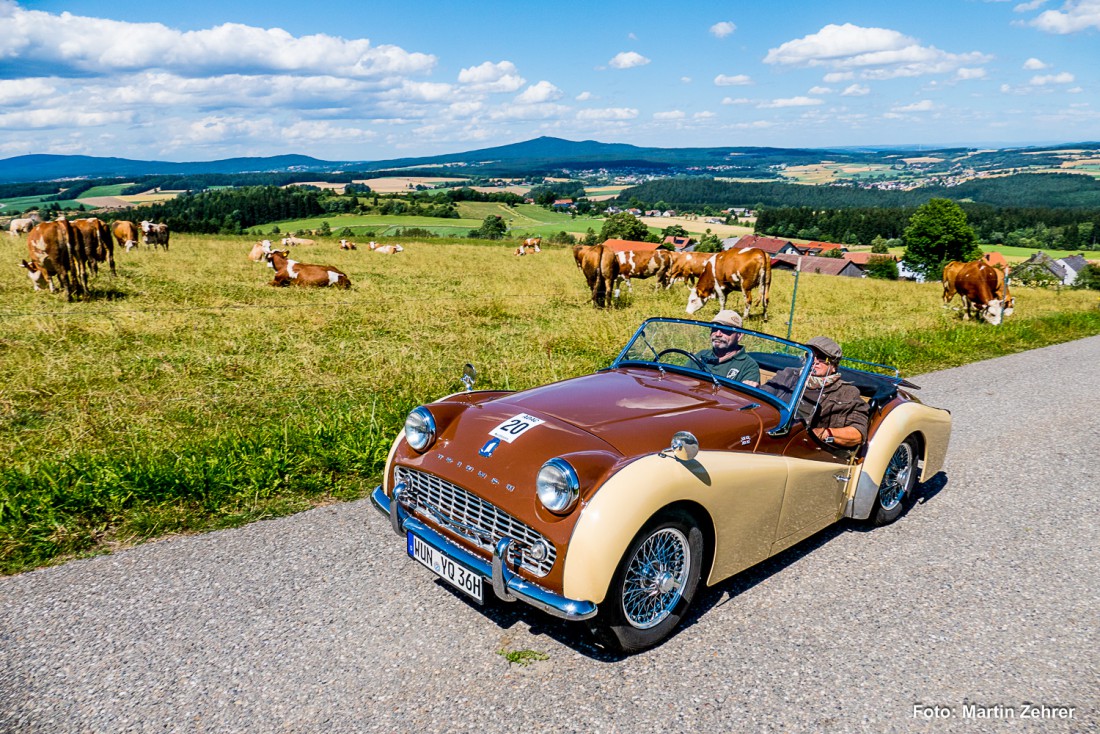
column 932, row 425
column 741, row 492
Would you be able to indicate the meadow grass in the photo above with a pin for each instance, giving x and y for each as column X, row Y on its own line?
column 188, row 394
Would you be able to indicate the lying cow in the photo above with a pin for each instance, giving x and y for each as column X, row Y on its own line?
column 125, row 234
column 346, row 245
column 526, row 249
column 976, row 283
column 292, row 240
column 155, row 234
column 259, row 250
column 746, row 269
column 384, row 249
column 292, row 272
column 600, row 268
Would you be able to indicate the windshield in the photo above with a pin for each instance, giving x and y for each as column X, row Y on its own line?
column 733, row 357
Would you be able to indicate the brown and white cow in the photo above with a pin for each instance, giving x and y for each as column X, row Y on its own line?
column 951, row 272
column 258, row 250
column 529, row 246
column 642, row 264
column 292, row 240
column 125, row 234
column 23, row 225
column 347, row 245
column 155, row 234
column 600, row 268
column 746, row 269
column 687, row 267
column 94, row 237
column 976, row 283
column 292, row 272
column 53, row 253
column 385, row 249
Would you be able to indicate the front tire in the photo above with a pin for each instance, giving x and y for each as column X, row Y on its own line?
column 653, row 585
column 897, row 483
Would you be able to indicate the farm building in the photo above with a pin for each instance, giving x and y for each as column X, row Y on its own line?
column 862, row 258
column 680, row 244
column 821, row 265
column 820, row 248
column 630, row 245
column 1042, row 266
column 770, row 245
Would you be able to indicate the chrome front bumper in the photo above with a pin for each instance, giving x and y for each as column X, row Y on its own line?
column 506, row 585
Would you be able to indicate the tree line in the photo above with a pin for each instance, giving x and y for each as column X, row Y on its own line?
column 228, row 211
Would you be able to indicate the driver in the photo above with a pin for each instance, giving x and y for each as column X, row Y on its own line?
column 726, row 357
column 842, row 417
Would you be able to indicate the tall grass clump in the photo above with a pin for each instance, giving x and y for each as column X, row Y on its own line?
column 187, row 394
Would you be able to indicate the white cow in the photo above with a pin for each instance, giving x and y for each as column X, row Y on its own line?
column 23, row 225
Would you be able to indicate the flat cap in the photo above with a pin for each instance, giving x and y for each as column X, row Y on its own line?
column 727, row 318
column 826, row 347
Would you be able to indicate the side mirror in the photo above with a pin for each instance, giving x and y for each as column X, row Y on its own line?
column 684, row 447
column 469, row 374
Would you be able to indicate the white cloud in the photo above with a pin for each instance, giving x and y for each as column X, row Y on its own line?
column 739, row 100
column 1034, row 64
column 1043, row 79
column 1028, row 6
column 538, row 93
column 610, row 113
column 878, row 53
column 584, row 96
column 1075, row 15
column 77, row 45
column 821, row 90
column 540, row 111
column 856, row 90
column 737, row 80
column 838, row 76
column 722, row 29
column 924, row 105
column 704, row 115
column 966, row 74
column 489, row 77
column 20, row 92
column 792, row 102
column 53, row 118
column 627, row 60
column 670, row 115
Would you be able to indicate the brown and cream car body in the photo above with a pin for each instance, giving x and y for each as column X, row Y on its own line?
column 608, row 497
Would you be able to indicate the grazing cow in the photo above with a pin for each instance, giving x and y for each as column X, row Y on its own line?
column 291, row 272
column 642, row 264
column 292, row 240
column 747, row 269
column 686, row 267
column 951, row 271
column 259, row 250
column 23, row 225
column 532, row 244
column 94, row 237
column 976, row 283
column 53, row 252
column 155, row 234
column 600, row 268
column 385, row 249
column 125, row 234
column 346, row 245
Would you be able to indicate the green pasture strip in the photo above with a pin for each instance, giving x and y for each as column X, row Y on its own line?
column 22, row 203
column 112, row 190
column 188, row 394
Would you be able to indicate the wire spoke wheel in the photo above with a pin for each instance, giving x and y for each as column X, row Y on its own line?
column 895, row 482
column 655, row 579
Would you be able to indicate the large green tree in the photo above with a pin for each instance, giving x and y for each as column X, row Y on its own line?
column 623, row 226
column 938, row 233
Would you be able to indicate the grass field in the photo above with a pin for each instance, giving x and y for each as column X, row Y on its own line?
column 187, row 394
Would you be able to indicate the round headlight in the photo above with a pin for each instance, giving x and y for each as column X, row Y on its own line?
column 558, row 486
column 420, row 429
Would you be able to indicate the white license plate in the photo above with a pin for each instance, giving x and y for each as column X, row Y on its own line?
column 448, row 569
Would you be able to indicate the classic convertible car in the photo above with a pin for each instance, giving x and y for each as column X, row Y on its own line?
column 608, row 497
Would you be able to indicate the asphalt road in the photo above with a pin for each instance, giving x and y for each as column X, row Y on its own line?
column 984, row 594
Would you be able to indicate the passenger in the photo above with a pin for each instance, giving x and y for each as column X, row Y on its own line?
column 842, row 416
column 726, row 357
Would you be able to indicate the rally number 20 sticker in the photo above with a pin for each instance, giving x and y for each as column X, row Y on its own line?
column 514, row 427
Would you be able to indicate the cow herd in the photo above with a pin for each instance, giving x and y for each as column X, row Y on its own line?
column 709, row 275
column 291, row 272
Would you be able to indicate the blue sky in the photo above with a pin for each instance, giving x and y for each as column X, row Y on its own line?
column 365, row 80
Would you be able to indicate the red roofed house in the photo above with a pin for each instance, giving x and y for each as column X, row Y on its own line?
column 996, row 259
column 770, row 245
column 821, row 265
column 820, row 248
column 862, row 258
column 678, row 243
column 629, row 245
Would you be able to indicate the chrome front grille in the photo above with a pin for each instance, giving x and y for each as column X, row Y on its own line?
column 466, row 514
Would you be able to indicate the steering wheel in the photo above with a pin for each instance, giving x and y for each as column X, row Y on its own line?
column 689, row 355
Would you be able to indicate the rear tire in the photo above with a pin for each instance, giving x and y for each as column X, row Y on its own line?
column 653, row 585
column 897, row 483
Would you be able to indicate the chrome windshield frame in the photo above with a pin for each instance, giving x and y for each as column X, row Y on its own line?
column 788, row 413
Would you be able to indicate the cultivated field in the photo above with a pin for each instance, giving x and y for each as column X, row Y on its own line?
column 188, row 394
